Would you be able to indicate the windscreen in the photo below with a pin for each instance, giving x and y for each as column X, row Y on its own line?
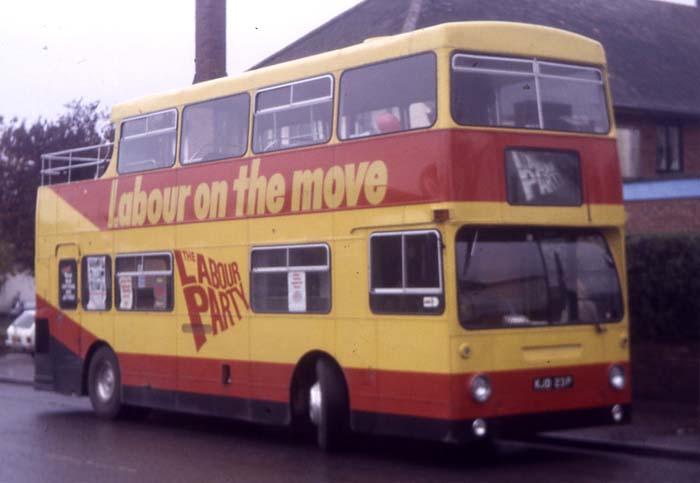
column 529, row 94
column 515, row 277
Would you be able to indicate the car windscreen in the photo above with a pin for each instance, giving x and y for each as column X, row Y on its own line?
column 24, row 321
column 520, row 277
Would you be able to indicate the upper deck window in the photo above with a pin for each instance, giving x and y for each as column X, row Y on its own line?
column 392, row 96
column 148, row 142
column 293, row 115
column 531, row 94
column 215, row 129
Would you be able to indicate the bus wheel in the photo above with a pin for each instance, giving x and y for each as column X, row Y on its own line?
column 328, row 406
column 104, row 384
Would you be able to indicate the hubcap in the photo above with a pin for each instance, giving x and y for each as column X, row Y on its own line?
column 105, row 381
column 315, row 403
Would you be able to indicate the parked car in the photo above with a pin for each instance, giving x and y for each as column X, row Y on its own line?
column 20, row 333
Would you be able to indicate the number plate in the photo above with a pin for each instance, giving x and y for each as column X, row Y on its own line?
column 554, row 383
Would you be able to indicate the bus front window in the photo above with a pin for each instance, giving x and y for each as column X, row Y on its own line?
column 530, row 94
column 532, row 277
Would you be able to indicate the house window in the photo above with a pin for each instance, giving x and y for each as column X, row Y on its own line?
column 668, row 149
column 628, row 148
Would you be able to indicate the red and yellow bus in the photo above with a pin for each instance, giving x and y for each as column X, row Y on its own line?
column 420, row 235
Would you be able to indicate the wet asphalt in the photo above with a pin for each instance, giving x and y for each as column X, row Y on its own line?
column 52, row 438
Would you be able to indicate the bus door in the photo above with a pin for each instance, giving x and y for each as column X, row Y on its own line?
column 64, row 323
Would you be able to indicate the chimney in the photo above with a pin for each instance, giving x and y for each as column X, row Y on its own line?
column 210, row 40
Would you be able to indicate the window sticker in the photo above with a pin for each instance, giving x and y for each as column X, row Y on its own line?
column 296, row 284
column 160, row 293
column 68, row 284
column 126, row 301
column 97, row 283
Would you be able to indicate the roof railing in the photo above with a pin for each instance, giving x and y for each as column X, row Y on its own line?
column 75, row 164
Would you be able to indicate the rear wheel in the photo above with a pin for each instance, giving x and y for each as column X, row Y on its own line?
column 104, row 384
column 328, row 406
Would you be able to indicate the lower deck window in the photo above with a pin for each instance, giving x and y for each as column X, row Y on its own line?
column 144, row 282
column 406, row 272
column 291, row 279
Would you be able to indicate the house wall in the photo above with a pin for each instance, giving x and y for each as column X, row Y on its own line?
column 646, row 125
column 671, row 214
column 663, row 216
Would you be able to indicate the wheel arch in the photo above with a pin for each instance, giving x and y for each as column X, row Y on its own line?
column 86, row 364
column 304, row 376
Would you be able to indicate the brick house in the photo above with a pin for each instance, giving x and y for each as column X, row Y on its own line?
column 653, row 51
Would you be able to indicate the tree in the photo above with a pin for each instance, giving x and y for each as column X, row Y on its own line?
column 21, row 147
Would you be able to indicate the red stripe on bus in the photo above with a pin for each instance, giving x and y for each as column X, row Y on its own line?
column 421, row 167
column 429, row 395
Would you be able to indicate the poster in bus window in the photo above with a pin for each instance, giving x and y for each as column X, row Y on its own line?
column 296, row 291
column 97, row 283
column 160, row 294
column 126, row 293
column 68, row 284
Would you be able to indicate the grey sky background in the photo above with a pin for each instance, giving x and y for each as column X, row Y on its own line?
column 52, row 51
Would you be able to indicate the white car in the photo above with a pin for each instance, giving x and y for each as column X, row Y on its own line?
column 20, row 333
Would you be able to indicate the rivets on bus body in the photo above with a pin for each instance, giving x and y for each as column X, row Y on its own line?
column 465, row 351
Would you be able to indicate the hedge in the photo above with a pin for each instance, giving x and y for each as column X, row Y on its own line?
column 663, row 272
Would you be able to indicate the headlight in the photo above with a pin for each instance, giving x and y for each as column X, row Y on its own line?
column 480, row 387
column 617, row 378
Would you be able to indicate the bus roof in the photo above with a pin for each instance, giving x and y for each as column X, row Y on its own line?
column 504, row 38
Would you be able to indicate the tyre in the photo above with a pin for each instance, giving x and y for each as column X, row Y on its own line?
column 328, row 406
column 104, row 384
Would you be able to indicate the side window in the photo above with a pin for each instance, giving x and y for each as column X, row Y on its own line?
column 68, row 284
column 96, row 274
column 291, row 279
column 398, row 95
column 406, row 272
column 292, row 115
column 144, row 282
column 215, row 129
column 148, row 142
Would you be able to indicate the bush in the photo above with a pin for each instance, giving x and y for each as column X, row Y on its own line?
column 663, row 272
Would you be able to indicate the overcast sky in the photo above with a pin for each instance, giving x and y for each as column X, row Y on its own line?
column 54, row 51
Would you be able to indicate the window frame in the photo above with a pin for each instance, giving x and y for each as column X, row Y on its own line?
column 394, row 59
column 536, row 74
column 581, row 231
column 73, row 262
column 148, row 133
column 85, row 289
column 171, row 286
column 663, row 164
column 292, row 105
column 182, row 129
column 437, row 292
column 289, row 268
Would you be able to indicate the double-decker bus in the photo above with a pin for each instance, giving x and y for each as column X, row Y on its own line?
column 420, row 235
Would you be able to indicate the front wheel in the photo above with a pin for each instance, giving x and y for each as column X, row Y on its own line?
column 328, row 406
column 104, row 384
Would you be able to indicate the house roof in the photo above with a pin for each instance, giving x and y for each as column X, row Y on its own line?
column 653, row 48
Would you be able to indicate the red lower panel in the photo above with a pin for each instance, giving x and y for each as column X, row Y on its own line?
column 434, row 396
